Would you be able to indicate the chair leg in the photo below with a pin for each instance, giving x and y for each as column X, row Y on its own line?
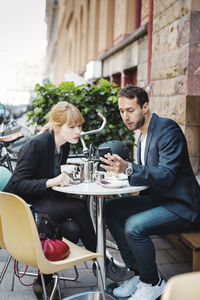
column 55, row 285
column 59, row 290
column 5, row 268
column 101, row 279
column 70, row 278
column 44, row 287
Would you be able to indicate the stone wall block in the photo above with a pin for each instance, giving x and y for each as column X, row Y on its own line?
column 156, row 43
column 183, row 30
column 164, row 87
column 173, row 35
column 165, row 40
column 181, row 85
column 142, row 50
column 194, row 60
column 141, row 71
column 144, row 9
column 177, row 110
column 183, row 60
column 193, row 138
column 193, row 111
column 195, row 162
column 193, row 85
column 195, row 5
column 170, row 107
column 160, row 105
column 168, row 12
column 195, row 27
column 166, row 66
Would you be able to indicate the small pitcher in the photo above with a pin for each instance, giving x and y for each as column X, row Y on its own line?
column 87, row 170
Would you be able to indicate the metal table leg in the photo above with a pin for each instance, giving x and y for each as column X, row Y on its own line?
column 101, row 240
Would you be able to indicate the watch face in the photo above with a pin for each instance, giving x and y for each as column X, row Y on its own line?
column 129, row 170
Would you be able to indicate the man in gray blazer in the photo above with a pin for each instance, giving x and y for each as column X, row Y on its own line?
column 171, row 204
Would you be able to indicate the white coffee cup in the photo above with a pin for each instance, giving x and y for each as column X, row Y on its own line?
column 68, row 169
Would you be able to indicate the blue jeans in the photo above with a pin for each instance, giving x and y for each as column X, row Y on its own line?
column 131, row 221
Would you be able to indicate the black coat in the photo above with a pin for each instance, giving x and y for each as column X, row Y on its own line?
column 34, row 167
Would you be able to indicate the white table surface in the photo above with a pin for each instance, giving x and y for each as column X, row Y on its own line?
column 96, row 189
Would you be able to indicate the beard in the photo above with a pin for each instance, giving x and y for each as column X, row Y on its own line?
column 139, row 123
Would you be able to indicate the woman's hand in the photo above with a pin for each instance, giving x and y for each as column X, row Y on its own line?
column 114, row 163
column 60, row 180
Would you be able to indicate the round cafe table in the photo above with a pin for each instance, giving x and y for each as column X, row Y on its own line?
column 100, row 192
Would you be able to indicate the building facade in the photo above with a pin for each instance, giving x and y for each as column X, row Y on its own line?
column 152, row 43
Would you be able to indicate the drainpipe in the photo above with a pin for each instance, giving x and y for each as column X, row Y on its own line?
column 150, row 30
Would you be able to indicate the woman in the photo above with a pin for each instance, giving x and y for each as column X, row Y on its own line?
column 38, row 170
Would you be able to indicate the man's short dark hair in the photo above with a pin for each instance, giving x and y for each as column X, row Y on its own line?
column 130, row 91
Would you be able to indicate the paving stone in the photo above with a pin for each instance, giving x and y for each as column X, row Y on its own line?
column 163, row 257
column 70, row 291
column 169, row 270
column 180, row 256
column 161, row 243
column 18, row 296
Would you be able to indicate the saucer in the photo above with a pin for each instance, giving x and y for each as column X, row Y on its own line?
column 114, row 184
column 120, row 176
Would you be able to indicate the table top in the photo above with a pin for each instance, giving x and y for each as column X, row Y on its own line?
column 97, row 189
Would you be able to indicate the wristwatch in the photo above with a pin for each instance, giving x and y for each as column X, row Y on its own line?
column 129, row 169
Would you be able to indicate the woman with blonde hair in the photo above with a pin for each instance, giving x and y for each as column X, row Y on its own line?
column 38, row 170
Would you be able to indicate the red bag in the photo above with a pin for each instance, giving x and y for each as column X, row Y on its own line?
column 54, row 249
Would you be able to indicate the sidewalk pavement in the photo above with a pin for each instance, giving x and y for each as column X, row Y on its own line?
column 171, row 261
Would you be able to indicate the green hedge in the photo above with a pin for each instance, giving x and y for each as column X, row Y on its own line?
column 90, row 100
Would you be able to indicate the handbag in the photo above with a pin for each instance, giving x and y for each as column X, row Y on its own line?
column 51, row 238
column 54, row 249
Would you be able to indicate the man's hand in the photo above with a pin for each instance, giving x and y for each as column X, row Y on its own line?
column 114, row 163
column 60, row 180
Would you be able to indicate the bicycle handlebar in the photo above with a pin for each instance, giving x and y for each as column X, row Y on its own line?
column 83, row 133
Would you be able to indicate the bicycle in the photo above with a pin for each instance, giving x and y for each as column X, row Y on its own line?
column 12, row 137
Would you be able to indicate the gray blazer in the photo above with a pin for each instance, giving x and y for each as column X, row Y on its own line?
column 167, row 170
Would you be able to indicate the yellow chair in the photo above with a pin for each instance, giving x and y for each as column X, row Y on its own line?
column 183, row 287
column 22, row 241
column 5, row 175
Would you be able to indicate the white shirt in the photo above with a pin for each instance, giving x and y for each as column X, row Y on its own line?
column 143, row 144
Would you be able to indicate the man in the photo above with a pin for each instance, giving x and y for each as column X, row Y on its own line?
column 169, row 205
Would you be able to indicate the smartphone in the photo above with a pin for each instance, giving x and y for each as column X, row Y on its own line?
column 102, row 151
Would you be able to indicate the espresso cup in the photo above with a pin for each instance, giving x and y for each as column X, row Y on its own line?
column 70, row 170
column 98, row 176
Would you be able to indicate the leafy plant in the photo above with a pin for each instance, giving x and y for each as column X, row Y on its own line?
column 90, row 100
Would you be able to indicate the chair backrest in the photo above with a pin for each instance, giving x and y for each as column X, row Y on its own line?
column 184, row 286
column 19, row 230
column 5, row 175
